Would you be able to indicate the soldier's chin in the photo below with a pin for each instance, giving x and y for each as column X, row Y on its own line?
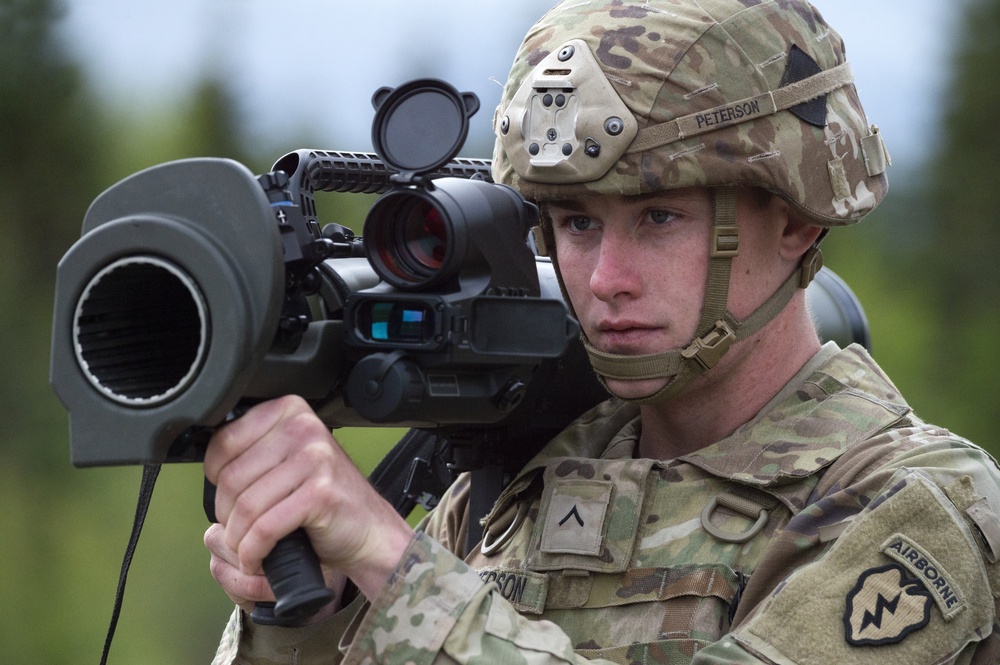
column 633, row 389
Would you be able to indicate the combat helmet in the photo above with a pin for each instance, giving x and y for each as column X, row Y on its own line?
column 629, row 97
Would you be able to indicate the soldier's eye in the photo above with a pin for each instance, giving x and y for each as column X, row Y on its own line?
column 661, row 216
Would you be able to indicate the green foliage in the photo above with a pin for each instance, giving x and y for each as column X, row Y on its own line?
column 922, row 266
column 965, row 208
column 963, row 197
column 63, row 531
column 929, row 278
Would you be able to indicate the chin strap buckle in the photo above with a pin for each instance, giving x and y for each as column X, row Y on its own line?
column 710, row 347
column 725, row 241
column 812, row 261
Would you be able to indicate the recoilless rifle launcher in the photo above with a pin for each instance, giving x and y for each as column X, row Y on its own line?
column 198, row 289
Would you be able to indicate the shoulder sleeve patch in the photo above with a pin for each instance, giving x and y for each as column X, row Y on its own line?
column 926, row 570
column 905, row 582
column 885, row 606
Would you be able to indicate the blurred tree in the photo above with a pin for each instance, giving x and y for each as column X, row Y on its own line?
column 52, row 131
column 958, row 265
column 50, row 145
column 63, row 531
column 924, row 264
column 51, row 134
column 212, row 122
column 963, row 198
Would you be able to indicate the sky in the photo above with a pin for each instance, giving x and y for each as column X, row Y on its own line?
column 310, row 67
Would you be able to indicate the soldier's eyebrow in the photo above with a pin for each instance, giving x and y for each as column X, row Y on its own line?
column 631, row 199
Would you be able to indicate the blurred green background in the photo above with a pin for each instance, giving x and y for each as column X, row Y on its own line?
column 923, row 266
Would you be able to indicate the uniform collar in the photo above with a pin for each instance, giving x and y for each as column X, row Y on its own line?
column 841, row 401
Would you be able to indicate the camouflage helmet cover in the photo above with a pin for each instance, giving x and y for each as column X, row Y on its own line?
column 693, row 92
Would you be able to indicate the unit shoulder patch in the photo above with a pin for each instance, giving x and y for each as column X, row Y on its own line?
column 885, row 606
column 930, row 572
column 905, row 582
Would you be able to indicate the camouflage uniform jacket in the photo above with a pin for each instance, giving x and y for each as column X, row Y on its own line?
column 836, row 527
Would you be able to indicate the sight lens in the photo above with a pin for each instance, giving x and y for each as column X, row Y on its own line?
column 425, row 235
column 409, row 240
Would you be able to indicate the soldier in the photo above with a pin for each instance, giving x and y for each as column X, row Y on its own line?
column 749, row 495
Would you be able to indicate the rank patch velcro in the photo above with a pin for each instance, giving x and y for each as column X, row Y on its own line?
column 885, row 606
column 574, row 523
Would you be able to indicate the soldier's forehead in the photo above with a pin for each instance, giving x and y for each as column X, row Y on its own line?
column 665, row 195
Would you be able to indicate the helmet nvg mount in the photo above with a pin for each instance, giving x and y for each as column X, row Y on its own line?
column 629, row 97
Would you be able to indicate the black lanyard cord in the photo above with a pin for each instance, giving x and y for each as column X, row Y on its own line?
column 149, row 474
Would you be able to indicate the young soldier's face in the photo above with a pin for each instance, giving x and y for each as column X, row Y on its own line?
column 635, row 268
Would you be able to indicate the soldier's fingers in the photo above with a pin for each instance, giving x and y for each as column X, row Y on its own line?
column 244, row 590
column 312, row 459
column 265, row 441
column 234, row 438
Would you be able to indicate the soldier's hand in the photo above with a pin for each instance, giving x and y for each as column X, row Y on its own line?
column 244, row 590
column 248, row 590
column 278, row 468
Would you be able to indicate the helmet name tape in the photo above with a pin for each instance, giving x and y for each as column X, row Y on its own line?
column 743, row 110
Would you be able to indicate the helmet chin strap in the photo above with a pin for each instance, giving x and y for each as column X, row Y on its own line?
column 718, row 329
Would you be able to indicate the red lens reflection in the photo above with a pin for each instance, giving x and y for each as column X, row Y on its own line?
column 425, row 236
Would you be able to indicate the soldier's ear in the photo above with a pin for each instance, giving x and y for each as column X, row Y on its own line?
column 797, row 235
